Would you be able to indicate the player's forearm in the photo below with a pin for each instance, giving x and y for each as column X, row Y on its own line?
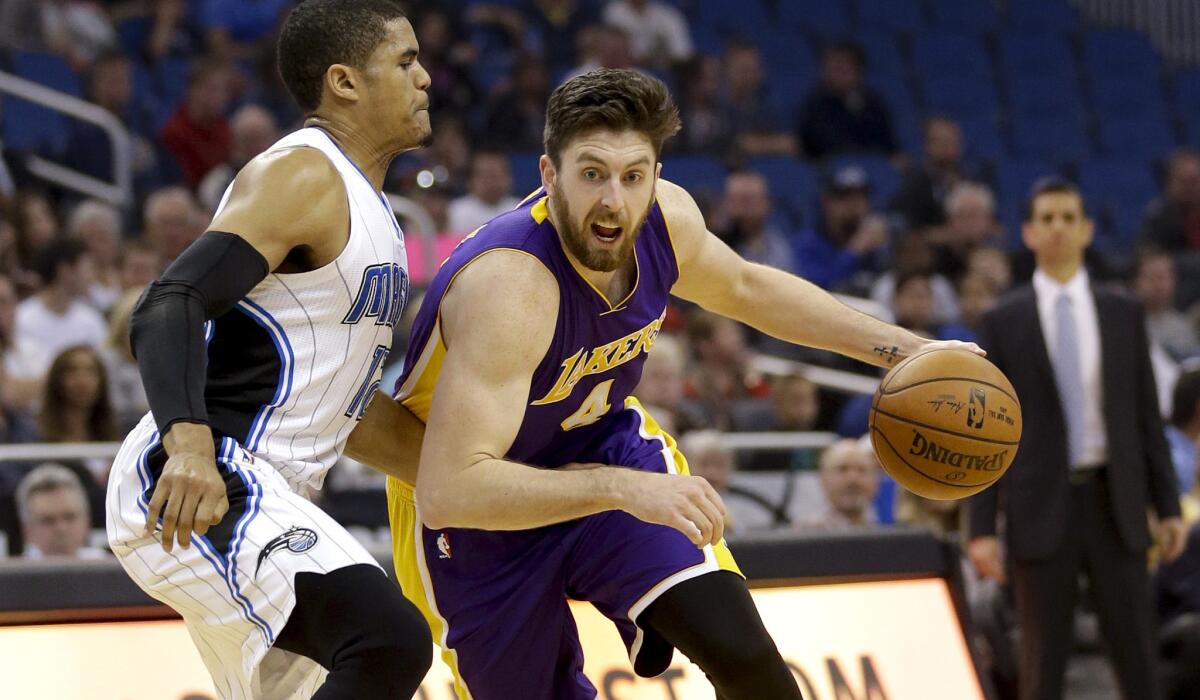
column 388, row 439
column 795, row 310
column 497, row 494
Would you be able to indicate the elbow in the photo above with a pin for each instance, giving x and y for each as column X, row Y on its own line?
column 432, row 506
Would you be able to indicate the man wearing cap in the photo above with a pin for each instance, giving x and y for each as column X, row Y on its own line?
column 846, row 233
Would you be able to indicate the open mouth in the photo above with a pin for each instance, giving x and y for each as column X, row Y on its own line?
column 606, row 234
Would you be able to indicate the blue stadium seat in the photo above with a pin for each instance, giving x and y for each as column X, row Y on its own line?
column 829, row 18
column 793, row 185
column 1118, row 191
column 884, row 58
column 977, row 16
column 1119, row 52
column 1144, row 136
column 884, row 178
column 1051, row 137
column 1045, row 96
column 747, row 18
column 951, row 54
column 700, row 175
column 1186, row 92
column 525, row 173
column 1123, row 94
column 31, row 127
column 1041, row 15
column 170, row 79
column 961, row 96
column 982, row 138
column 894, row 15
column 1036, row 53
column 906, row 120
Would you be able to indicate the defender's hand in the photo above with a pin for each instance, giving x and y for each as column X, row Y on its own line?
column 687, row 503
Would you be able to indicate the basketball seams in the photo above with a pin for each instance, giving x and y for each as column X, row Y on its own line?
column 900, row 456
column 965, row 436
column 973, row 380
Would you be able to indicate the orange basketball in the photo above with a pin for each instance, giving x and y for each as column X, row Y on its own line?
column 945, row 423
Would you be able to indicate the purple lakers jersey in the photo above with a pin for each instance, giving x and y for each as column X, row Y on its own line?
column 595, row 359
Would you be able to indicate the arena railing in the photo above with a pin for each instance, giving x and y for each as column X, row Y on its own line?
column 119, row 192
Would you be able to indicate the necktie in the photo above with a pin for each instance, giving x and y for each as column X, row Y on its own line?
column 1068, row 376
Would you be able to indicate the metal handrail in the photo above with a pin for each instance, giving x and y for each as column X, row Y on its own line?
column 423, row 226
column 120, row 191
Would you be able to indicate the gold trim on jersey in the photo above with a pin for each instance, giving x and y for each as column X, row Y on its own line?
column 540, row 212
column 601, row 359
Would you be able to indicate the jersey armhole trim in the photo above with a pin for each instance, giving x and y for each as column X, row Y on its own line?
column 459, row 271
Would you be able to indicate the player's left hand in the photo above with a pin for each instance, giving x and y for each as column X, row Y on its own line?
column 1171, row 536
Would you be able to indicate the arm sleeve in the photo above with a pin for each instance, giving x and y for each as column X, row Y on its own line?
column 167, row 326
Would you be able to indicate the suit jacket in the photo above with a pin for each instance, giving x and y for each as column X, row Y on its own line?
column 1034, row 492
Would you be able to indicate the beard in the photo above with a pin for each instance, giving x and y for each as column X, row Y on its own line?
column 577, row 239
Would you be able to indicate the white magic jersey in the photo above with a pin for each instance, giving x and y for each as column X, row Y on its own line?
column 291, row 368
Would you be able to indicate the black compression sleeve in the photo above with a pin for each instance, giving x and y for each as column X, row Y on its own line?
column 167, row 326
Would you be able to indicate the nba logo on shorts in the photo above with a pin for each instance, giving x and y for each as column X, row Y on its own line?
column 443, row 543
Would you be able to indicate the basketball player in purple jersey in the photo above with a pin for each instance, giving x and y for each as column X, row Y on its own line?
column 541, row 477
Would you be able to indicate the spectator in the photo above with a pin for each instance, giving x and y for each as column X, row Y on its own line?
column 1183, row 430
column 125, row 391
column 913, row 255
column 707, row 128
column 171, row 220
column 942, row 518
column 140, row 265
column 661, row 388
column 110, row 86
column 75, row 402
column 517, row 114
column 723, row 376
column 993, row 265
column 841, row 114
column 1154, row 285
column 58, row 317
column 20, row 357
column 847, row 233
column 976, row 294
column 913, row 304
column 489, row 193
column 253, row 130
column 35, row 224
column 15, row 424
column 709, row 456
column 794, row 407
column 554, row 26
column 601, row 46
column 54, row 512
column 849, row 480
column 970, row 224
column 923, row 189
column 1172, row 222
column 1177, row 599
column 746, row 224
column 97, row 225
column 198, row 135
column 448, row 56
column 758, row 129
column 1093, row 457
column 658, row 33
column 77, row 31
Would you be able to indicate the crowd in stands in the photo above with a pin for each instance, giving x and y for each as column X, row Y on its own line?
column 806, row 155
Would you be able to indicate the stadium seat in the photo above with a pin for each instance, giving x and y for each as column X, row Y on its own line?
column 1041, row 15
column 884, row 178
column 1128, row 94
column 962, row 97
column 31, row 127
column 1119, row 52
column 1014, row 178
column 893, row 15
column 704, row 177
column 1118, row 190
column 885, row 61
column 951, row 54
column 828, row 19
column 746, row 18
column 1045, row 96
column 1051, row 137
column 793, row 185
column 1036, row 53
column 983, row 138
column 1136, row 135
column 975, row 16
column 525, row 174
column 1186, row 92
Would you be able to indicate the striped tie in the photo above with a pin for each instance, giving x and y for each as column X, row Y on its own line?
column 1068, row 376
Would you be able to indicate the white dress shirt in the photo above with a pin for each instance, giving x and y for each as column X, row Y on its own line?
column 1087, row 331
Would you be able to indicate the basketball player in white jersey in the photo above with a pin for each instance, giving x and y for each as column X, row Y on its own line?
column 260, row 349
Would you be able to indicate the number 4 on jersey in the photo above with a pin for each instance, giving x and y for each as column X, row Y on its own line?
column 592, row 408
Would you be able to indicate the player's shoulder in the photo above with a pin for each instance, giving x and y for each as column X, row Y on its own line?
column 294, row 171
column 505, row 275
column 293, row 190
column 676, row 203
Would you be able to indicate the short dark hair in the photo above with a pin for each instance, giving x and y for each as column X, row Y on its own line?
column 1052, row 184
column 319, row 33
column 853, row 49
column 611, row 99
column 1185, row 400
column 64, row 251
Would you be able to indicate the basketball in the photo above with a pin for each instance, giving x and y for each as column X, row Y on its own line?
column 945, row 424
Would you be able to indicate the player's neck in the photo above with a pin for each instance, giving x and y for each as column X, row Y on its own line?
column 370, row 159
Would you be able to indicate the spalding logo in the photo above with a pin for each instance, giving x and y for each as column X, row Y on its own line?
column 930, row 450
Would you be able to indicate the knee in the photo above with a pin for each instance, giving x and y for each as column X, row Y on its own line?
column 739, row 654
column 393, row 652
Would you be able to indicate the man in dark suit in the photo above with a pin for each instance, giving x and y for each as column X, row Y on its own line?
column 1093, row 458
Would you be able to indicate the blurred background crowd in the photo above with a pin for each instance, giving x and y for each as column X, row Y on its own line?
column 882, row 149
